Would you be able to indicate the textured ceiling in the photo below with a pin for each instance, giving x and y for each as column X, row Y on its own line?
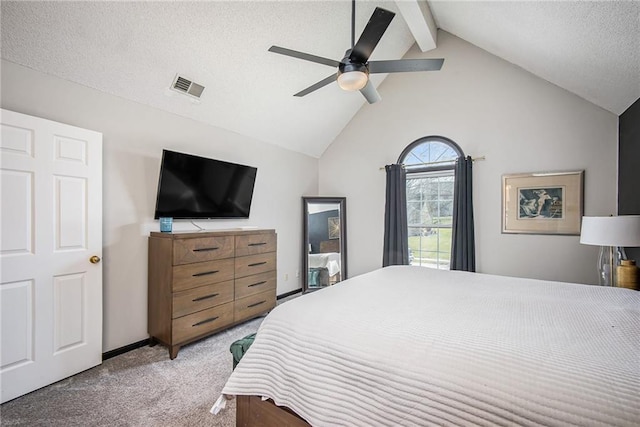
column 591, row 48
column 135, row 49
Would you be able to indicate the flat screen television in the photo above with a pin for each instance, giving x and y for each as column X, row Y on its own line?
column 193, row 187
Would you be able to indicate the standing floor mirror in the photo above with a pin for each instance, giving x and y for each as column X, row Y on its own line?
column 324, row 242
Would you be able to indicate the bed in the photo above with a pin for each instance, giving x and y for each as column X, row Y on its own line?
column 323, row 269
column 415, row 346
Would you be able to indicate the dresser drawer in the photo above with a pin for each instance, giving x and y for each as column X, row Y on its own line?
column 186, row 251
column 253, row 305
column 255, row 284
column 202, row 322
column 251, row 244
column 255, row 264
column 197, row 299
column 202, row 273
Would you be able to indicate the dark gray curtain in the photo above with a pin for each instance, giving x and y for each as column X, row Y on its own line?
column 396, row 241
column 463, row 252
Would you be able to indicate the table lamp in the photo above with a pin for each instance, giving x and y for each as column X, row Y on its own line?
column 612, row 234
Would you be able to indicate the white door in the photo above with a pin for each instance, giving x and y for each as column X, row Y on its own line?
column 51, row 226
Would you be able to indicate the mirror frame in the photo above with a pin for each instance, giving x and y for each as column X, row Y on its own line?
column 342, row 202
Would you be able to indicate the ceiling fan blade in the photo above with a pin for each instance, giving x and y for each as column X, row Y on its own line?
column 405, row 65
column 305, row 56
column 370, row 93
column 371, row 35
column 321, row 83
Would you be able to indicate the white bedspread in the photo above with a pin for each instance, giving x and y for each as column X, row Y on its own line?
column 330, row 261
column 410, row 346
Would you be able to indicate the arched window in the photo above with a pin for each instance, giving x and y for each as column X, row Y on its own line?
column 430, row 163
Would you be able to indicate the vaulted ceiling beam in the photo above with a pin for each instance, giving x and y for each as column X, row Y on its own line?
column 418, row 17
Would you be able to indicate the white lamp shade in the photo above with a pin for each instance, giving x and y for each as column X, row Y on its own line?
column 621, row 230
column 352, row 80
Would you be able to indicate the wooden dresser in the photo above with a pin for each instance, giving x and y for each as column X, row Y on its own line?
column 203, row 282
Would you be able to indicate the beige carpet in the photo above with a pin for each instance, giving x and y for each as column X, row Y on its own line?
column 140, row 388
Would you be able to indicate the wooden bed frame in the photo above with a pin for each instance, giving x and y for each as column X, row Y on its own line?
column 252, row 411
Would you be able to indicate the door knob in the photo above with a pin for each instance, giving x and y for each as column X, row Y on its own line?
column 94, row 259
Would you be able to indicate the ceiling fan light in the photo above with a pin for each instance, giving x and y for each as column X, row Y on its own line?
column 352, row 80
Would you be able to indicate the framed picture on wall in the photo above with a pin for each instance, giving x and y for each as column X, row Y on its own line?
column 334, row 227
column 542, row 203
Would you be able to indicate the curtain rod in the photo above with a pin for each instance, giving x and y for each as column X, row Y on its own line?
column 441, row 161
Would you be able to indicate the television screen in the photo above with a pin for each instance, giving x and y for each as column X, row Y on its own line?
column 197, row 187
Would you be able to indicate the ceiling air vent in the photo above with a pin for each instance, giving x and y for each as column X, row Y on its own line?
column 186, row 86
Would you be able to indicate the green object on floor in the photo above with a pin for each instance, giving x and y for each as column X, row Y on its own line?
column 240, row 347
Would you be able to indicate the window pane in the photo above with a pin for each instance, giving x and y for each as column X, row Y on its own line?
column 430, row 247
column 430, row 216
column 431, row 189
column 414, row 193
column 446, row 213
column 429, row 152
column 414, row 210
column 446, row 187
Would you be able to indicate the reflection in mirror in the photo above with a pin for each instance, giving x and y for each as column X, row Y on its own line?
column 324, row 242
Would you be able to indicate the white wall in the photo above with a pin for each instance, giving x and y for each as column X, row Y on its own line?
column 133, row 137
column 490, row 108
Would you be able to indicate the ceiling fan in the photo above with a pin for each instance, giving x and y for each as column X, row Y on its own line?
column 354, row 69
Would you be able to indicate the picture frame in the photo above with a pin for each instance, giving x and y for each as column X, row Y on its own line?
column 543, row 203
column 334, row 227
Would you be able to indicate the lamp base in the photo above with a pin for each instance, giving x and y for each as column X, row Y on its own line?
column 608, row 259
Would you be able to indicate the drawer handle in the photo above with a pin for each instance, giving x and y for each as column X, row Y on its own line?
column 205, row 273
column 257, row 244
column 256, row 304
column 257, row 284
column 255, row 264
column 204, row 321
column 205, row 249
column 205, row 297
